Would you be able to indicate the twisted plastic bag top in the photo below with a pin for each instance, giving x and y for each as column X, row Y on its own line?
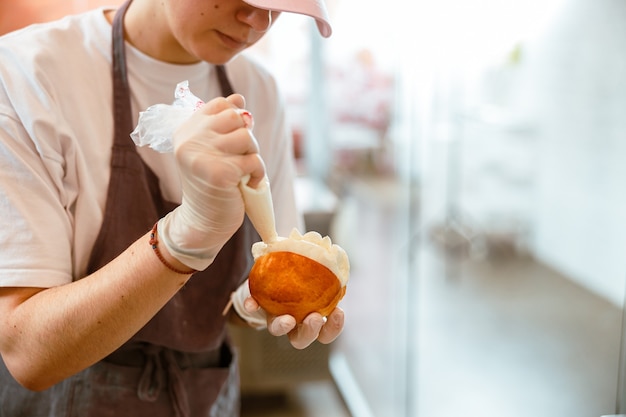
column 157, row 124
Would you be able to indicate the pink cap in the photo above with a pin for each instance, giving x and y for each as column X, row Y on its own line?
column 314, row 8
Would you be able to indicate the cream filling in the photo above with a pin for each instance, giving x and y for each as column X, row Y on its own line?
column 313, row 246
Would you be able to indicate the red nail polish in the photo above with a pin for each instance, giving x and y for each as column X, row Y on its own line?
column 247, row 118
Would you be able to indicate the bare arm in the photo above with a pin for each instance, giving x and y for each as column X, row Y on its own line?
column 47, row 335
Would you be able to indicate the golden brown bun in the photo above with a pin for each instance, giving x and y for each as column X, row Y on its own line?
column 289, row 283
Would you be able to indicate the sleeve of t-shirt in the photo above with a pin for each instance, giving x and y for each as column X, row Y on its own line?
column 35, row 231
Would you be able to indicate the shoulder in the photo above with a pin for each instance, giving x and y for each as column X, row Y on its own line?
column 57, row 46
column 75, row 29
column 48, row 88
column 46, row 64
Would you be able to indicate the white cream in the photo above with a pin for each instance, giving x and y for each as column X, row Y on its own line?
column 313, row 246
column 258, row 202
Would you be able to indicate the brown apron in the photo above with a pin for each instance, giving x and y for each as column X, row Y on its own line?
column 180, row 364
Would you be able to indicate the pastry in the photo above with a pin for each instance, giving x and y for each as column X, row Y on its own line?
column 299, row 275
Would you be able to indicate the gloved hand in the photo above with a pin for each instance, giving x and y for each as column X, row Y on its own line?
column 314, row 327
column 214, row 149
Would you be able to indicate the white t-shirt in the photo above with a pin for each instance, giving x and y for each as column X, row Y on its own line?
column 56, row 133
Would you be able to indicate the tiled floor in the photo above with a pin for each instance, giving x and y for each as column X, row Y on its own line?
column 484, row 337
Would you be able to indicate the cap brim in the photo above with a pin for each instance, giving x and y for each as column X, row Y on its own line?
column 314, row 8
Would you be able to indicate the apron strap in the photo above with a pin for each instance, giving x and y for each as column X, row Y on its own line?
column 161, row 365
column 122, row 115
column 225, row 86
column 161, row 369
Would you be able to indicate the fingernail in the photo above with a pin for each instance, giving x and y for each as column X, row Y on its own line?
column 285, row 324
column 248, row 120
column 316, row 322
column 250, row 306
column 337, row 318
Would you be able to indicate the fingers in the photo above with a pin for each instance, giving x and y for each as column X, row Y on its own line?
column 305, row 334
column 314, row 327
column 229, row 112
column 218, row 104
column 246, row 116
column 333, row 326
column 238, row 142
column 280, row 325
column 251, row 305
column 227, row 119
column 221, row 129
column 253, row 313
column 237, row 100
column 256, row 171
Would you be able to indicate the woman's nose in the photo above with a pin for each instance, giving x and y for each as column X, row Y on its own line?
column 258, row 19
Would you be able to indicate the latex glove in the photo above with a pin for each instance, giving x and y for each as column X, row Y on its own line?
column 214, row 149
column 247, row 308
column 314, row 327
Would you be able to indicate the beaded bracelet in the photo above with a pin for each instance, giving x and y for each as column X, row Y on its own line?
column 154, row 242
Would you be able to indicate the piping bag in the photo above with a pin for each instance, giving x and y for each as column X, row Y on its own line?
column 155, row 129
column 258, row 201
column 259, row 208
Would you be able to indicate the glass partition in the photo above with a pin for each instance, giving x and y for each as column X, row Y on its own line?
column 478, row 175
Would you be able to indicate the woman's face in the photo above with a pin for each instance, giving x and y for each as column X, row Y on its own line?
column 186, row 31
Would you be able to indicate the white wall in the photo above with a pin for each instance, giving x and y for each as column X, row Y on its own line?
column 566, row 84
column 575, row 88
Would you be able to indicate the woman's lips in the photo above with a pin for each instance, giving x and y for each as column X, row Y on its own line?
column 232, row 42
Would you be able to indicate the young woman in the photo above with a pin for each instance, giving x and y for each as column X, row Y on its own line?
column 116, row 262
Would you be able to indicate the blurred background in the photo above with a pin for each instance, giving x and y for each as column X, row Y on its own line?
column 470, row 156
